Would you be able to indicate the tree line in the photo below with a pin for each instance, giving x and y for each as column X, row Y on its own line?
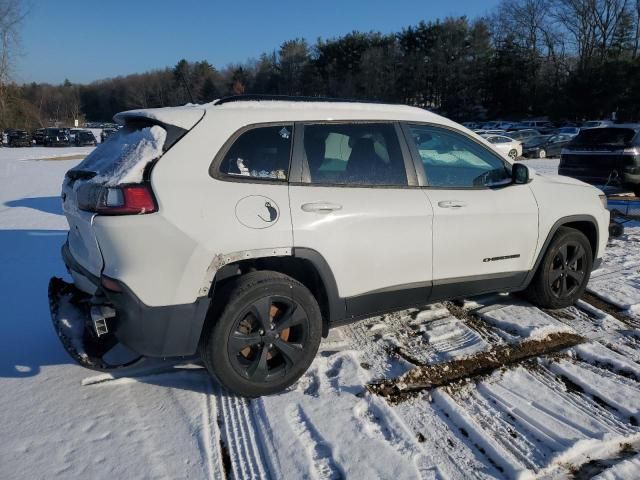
column 565, row 59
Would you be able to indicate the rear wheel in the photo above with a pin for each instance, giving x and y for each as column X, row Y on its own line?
column 564, row 271
column 542, row 153
column 265, row 335
column 513, row 153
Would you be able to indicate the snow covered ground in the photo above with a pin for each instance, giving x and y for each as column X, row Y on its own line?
column 564, row 413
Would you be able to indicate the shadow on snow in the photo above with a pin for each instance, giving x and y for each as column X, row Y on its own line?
column 28, row 258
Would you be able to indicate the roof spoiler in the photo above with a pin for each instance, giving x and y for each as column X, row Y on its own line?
column 184, row 118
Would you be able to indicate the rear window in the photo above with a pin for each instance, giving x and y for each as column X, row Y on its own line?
column 124, row 157
column 614, row 137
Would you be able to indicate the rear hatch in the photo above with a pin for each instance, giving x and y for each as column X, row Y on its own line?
column 597, row 154
column 126, row 159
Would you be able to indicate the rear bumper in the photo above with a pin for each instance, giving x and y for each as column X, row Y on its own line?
column 162, row 331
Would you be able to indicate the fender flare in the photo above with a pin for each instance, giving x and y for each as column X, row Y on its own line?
column 545, row 246
column 336, row 304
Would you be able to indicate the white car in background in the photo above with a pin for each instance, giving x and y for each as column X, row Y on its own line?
column 505, row 145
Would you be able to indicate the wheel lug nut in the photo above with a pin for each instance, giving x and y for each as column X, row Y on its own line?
column 261, row 332
column 271, row 345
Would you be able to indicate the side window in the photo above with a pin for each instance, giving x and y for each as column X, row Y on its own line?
column 453, row 160
column 354, row 154
column 260, row 153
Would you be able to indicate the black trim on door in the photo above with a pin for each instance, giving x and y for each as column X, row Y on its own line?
column 477, row 285
column 343, row 310
column 388, row 299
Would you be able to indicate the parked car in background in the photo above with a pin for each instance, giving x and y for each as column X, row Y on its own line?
column 545, row 146
column 84, row 138
column 605, row 156
column 505, row 145
column 471, row 125
column 55, row 137
column 19, row 138
column 72, row 134
column 572, row 131
column 106, row 133
column 523, row 135
column 543, row 126
column 38, row 136
column 482, row 131
column 597, row 124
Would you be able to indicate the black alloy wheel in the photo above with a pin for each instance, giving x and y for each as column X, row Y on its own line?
column 567, row 270
column 268, row 338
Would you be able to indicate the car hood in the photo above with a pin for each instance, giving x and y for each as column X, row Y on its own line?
column 562, row 180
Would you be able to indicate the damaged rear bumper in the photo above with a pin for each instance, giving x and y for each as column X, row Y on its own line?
column 163, row 331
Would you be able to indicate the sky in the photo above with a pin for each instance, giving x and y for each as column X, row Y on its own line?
column 90, row 40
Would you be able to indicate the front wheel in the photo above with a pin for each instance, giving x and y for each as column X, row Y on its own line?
column 513, row 154
column 564, row 272
column 542, row 153
column 265, row 335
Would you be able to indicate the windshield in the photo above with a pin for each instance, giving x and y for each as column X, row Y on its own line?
column 616, row 137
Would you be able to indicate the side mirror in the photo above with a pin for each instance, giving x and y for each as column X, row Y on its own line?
column 519, row 174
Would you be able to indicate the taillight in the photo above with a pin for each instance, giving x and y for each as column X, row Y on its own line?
column 110, row 284
column 127, row 200
column 120, row 200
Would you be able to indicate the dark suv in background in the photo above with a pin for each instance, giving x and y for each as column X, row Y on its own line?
column 18, row 138
column 55, row 137
column 84, row 138
column 605, row 156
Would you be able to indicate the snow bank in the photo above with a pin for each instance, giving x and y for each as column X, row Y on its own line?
column 123, row 158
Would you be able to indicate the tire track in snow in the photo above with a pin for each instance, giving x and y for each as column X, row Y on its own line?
column 238, row 433
column 320, row 454
column 383, row 425
column 210, row 435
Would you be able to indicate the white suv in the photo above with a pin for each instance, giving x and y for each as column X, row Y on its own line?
column 245, row 229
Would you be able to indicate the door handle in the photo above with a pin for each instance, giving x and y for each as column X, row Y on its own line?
column 321, row 207
column 452, row 204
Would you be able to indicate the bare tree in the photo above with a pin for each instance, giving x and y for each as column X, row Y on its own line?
column 607, row 15
column 592, row 25
column 11, row 16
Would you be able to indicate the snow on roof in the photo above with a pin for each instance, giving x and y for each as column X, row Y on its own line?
column 184, row 117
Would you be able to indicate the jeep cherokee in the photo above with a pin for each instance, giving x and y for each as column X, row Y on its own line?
column 243, row 230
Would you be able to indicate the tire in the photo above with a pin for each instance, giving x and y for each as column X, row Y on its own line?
column 560, row 281
column 542, row 153
column 240, row 349
column 513, row 154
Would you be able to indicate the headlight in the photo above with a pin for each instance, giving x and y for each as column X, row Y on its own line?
column 603, row 199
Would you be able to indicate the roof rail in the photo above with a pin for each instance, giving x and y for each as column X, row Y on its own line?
column 291, row 98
